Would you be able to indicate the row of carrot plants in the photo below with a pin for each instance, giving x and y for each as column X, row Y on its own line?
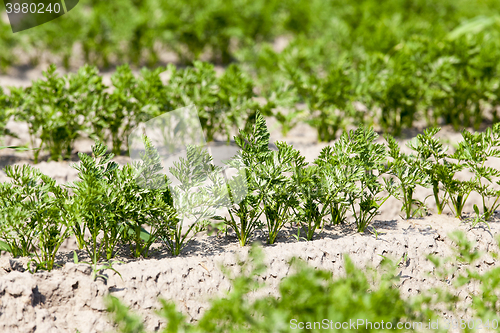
column 108, row 206
column 141, row 30
column 453, row 82
column 61, row 109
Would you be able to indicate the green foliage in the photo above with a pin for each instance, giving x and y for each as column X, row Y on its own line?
column 223, row 103
column 57, row 109
column 407, row 169
column 361, row 152
column 61, row 109
column 138, row 204
column 279, row 195
column 431, row 154
column 52, row 110
column 226, row 28
column 326, row 98
column 107, row 203
column 338, row 177
column 94, row 205
column 121, row 111
column 5, row 105
column 194, row 200
column 473, row 152
column 141, row 207
column 403, row 60
column 34, row 216
column 308, row 206
column 417, row 76
column 111, row 205
column 245, row 215
column 271, row 192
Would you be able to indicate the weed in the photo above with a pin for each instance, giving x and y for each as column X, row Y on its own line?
column 97, row 269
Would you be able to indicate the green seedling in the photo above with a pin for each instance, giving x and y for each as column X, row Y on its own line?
column 244, row 217
column 407, row 169
column 309, row 213
column 280, row 195
column 34, row 216
column 375, row 232
column 95, row 204
column 472, row 153
column 431, row 154
column 97, row 269
column 297, row 236
column 370, row 156
column 404, row 259
column 194, row 201
column 475, row 150
column 56, row 110
column 478, row 218
column 337, row 179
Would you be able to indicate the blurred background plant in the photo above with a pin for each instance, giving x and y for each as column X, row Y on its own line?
column 327, row 63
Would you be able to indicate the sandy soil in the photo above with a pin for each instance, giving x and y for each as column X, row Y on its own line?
column 67, row 299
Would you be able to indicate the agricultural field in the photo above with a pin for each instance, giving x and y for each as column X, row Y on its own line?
column 363, row 140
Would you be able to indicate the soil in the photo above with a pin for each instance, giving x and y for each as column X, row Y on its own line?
column 67, row 299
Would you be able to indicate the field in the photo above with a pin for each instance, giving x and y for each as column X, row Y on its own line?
column 363, row 137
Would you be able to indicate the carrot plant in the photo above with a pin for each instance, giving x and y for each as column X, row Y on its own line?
column 121, row 109
column 325, row 97
column 61, row 108
column 432, row 154
column 5, row 113
column 54, row 113
column 338, row 179
column 399, row 90
column 18, row 232
column 308, row 209
column 87, row 94
column 458, row 191
column 94, row 208
column 224, row 103
column 34, row 216
column 370, row 193
column 147, row 200
column 138, row 208
column 196, row 198
column 115, row 206
column 277, row 190
column 151, row 93
column 244, row 217
column 408, row 170
column 53, row 224
column 138, row 205
column 474, row 151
